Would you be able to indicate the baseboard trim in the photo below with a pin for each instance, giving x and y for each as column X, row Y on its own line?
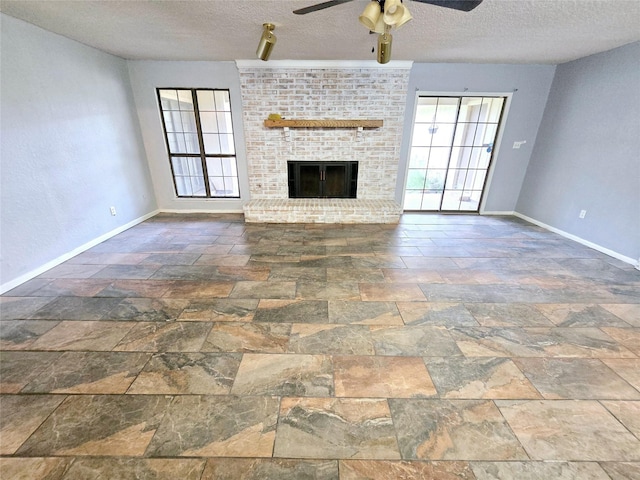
column 5, row 287
column 498, row 213
column 199, row 210
column 575, row 238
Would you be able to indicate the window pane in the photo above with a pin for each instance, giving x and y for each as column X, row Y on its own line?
column 413, row 200
column 447, row 110
column 416, row 179
column 465, row 134
column 173, row 121
column 188, row 122
column 435, row 180
column 180, row 166
column 442, row 133
column 195, row 166
column 185, row 99
column 485, row 134
column 226, row 144
column 197, row 184
column 439, row 157
column 469, row 109
column 208, row 122
column 169, row 99
column 176, row 143
column 495, row 110
column 422, row 135
column 191, row 141
column 216, row 184
column 478, row 179
column 224, row 122
column 455, row 179
column 419, row 157
column 229, row 167
column 460, row 157
column 231, row 183
column 205, row 100
column 451, row 200
column 431, row 200
column 183, row 185
column 484, row 157
column 214, row 167
column 426, row 110
column 222, row 100
column 211, row 143
column 470, row 200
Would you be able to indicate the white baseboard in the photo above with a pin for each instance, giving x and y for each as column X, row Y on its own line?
column 5, row 287
column 587, row 243
column 507, row 213
column 198, row 211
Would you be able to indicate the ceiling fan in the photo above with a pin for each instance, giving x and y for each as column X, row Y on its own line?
column 379, row 16
column 463, row 5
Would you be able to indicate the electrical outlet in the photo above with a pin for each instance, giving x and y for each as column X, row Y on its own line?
column 583, row 213
column 519, row 144
column 113, row 211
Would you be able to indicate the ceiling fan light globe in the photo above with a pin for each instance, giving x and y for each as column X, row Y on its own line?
column 404, row 19
column 380, row 26
column 393, row 12
column 370, row 15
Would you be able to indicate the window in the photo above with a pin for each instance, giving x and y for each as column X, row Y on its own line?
column 451, row 150
column 199, row 135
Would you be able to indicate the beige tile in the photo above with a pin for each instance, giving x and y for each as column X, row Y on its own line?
column 286, row 375
column 629, row 337
column 78, row 335
column 391, row 292
column 627, row 413
column 335, row 428
column 387, row 470
column 569, row 429
column 21, row 416
column 627, row 368
column 382, row 377
column 38, row 468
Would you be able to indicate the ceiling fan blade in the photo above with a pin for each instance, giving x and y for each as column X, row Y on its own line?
column 463, row 5
column 319, row 6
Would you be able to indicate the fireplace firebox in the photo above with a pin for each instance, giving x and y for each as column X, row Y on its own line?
column 323, row 179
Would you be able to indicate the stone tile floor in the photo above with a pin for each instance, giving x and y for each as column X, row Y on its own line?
column 446, row 347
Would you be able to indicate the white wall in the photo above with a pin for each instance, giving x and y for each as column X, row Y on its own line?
column 588, row 153
column 529, row 86
column 146, row 77
column 71, row 148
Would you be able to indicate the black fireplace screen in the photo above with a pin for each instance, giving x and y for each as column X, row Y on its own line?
column 323, row 179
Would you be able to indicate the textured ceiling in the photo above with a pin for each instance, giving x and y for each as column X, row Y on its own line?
column 498, row 31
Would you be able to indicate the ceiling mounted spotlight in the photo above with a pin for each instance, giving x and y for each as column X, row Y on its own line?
column 267, row 41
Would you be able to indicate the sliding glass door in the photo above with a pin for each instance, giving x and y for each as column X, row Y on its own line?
column 451, row 150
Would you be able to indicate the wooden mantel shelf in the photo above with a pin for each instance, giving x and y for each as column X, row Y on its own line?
column 323, row 123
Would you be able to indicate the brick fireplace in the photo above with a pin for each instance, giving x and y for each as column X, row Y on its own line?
column 323, row 92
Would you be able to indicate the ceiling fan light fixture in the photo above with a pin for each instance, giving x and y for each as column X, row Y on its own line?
column 384, row 47
column 406, row 16
column 267, row 41
column 395, row 13
column 371, row 15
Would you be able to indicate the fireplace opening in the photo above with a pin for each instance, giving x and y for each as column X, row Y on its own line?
column 323, row 179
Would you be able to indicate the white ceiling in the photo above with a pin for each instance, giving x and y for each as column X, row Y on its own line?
column 498, row 31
